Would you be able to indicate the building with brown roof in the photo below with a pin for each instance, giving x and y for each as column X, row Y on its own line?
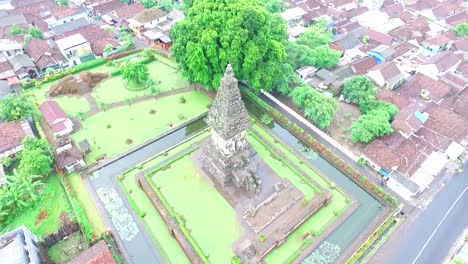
column 65, row 15
column 56, row 118
column 70, row 159
column 394, row 10
column 12, row 135
column 362, row 66
column 44, row 54
column 97, row 254
column 128, row 11
column 439, row 64
column 147, row 19
column 381, row 38
column 386, row 75
column 424, row 88
column 97, row 37
column 436, row 44
column 100, row 9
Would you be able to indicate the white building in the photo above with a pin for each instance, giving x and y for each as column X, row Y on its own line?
column 73, row 48
column 10, row 48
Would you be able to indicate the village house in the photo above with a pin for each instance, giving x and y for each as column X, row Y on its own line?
column 6, row 71
column 101, row 9
column 75, row 48
column 65, row 15
column 5, row 89
column 99, row 253
column 23, row 66
column 45, row 54
column 148, row 19
column 439, row 64
column 10, row 48
column 20, row 246
column 69, row 159
column 127, row 11
column 56, row 118
column 97, row 38
column 12, row 135
column 386, row 75
column 434, row 45
column 382, row 53
column 293, row 16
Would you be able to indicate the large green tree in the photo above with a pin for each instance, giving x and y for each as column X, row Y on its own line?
column 371, row 126
column 16, row 107
column 370, row 105
column 16, row 30
column 36, row 157
column 316, row 35
column 316, row 106
column 36, row 33
column 324, row 57
column 149, row 3
column 359, row 90
column 217, row 32
column 135, row 73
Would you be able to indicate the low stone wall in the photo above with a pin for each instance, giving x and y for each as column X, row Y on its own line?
column 170, row 221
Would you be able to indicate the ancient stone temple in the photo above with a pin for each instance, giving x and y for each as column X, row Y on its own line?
column 227, row 156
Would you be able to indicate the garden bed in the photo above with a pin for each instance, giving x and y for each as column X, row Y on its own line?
column 65, row 250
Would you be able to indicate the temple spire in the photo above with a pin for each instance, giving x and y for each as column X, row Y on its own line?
column 227, row 115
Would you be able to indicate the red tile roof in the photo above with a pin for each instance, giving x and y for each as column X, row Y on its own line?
column 362, row 66
column 66, row 12
column 444, row 60
column 379, row 37
column 52, row 112
column 12, row 135
column 388, row 70
column 108, row 7
column 129, row 10
column 97, row 37
column 68, row 157
column 394, row 10
column 392, row 97
column 39, row 50
column 461, row 44
column 458, row 18
column 97, row 254
column 413, row 86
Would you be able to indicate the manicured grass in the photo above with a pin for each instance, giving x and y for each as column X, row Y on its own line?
column 210, row 218
column 72, row 105
column 87, row 203
column 167, row 78
column 53, row 204
column 152, row 220
column 114, row 90
column 135, row 123
column 65, row 250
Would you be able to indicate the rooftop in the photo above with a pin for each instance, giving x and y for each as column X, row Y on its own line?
column 70, row 41
column 149, row 15
column 293, row 13
column 97, row 254
column 13, row 134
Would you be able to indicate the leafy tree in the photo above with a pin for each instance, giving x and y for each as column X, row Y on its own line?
column 16, row 107
column 154, row 90
column 16, row 30
column 462, row 30
column 273, row 6
column 242, row 32
column 36, row 33
column 62, row 2
column 317, row 107
column 317, row 34
column 128, row 2
column 371, row 126
column 135, row 73
column 165, row 4
column 108, row 48
column 287, row 79
column 370, row 105
column 324, row 57
column 298, row 55
column 36, row 157
column 359, row 90
column 148, row 3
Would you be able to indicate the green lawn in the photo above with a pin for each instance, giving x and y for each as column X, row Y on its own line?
column 210, row 218
column 152, row 220
column 168, row 78
column 135, row 123
column 87, row 203
column 65, row 250
column 114, row 90
column 52, row 204
column 72, row 105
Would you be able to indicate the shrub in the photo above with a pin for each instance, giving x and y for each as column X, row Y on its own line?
column 266, row 119
column 128, row 141
column 363, row 162
column 89, row 65
column 28, row 84
column 152, row 112
column 182, row 100
column 261, row 238
column 236, row 260
column 108, row 126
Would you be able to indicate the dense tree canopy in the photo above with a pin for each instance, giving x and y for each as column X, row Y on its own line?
column 273, row 6
column 324, row 57
column 36, row 157
column 359, row 90
column 36, row 33
column 148, row 3
column 317, row 107
column 370, row 105
column 16, row 30
column 371, row 126
column 243, row 33
column 16, row 107
column 316, row 35
column 462, row 30
column 135, row 73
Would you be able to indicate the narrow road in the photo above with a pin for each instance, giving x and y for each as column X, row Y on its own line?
column 429, row 236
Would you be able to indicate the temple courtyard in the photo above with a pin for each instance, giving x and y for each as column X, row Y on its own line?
column 233, row 193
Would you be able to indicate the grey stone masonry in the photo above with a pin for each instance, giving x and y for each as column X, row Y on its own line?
column 227, row 115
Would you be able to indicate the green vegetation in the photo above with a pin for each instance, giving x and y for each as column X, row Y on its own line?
column 241, row 32
column 135, row 74
column 371, row 126
column 137, row 116
column 36, row 33
column 462, row 30
column 16, row 107
column 62, row 2
column 16, row 30
column 377, row 115
column 36, row 157
column 370, row 241
column 46, row 214
column 65, row 250
column 316, row 106
column 87, row 203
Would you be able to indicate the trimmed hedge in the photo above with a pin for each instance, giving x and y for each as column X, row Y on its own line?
column 89, row 65
column 347, row 170
column 123, row 54
column 370, row 241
